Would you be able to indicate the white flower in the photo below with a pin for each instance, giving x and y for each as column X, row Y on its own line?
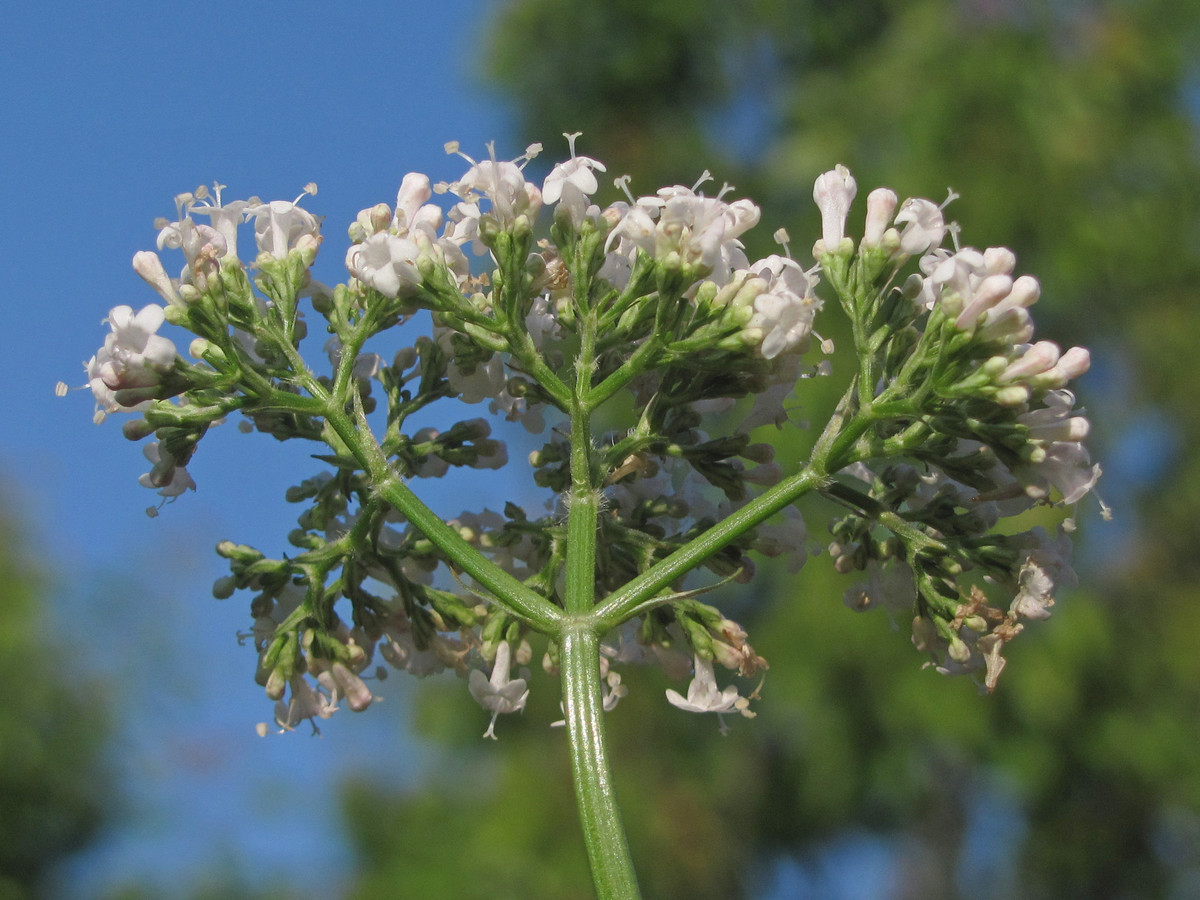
column 1064, row 466
column 305, row 703
column 784, row 311
column 165, row 476
column 572, row 182
column 385, row 262
column 224, row 218
column 341, row 682
column 133, row 356
column 500, row 694
column 200, row 243
column 985, row 294
column 280, row 226
column 833, row 192
column 413, row 213
column 1046, row 566
column 541, row 322
column 1054, row 421
column 703, row 696
column 924, row 226
column 501, row 182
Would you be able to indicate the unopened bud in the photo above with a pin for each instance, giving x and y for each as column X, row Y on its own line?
column 881, row 205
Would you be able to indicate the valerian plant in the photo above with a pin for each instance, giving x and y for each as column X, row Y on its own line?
column 952, row 422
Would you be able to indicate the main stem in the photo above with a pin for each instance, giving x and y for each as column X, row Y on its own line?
column 583, row 699
column 603, row 833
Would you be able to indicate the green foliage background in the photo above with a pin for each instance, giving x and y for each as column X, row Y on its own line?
column 52, row 729
column 1070, row 131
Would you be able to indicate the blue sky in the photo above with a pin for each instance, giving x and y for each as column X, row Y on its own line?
column 107, row 112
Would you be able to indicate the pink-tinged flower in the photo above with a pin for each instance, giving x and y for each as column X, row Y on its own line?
column 385, row 262
column 499, row 694
column 133, row 356
column 305, row 703
column 881, row 205
column 150, row 268
column 341, row 682
column 985, row 295
column 784, row 312
column 833, row 192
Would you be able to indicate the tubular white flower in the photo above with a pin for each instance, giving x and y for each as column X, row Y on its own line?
column 150, row 268
column 1064, row 466
column 202, row 247
column 165, row 476
column 702, row 230
column 225, row 218
column 501, row 182
column 413, row 212
column 833, row 192
column 305, row 703
column 499, row 694
column 985, row 295
column 572, row 182
column 1036, row 359
column 280, row 225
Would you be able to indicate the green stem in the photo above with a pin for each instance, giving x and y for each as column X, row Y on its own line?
column 603, row 833
column 624, row 603
column 507, row 591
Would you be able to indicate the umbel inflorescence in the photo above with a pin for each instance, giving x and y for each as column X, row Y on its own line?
column 953, row 419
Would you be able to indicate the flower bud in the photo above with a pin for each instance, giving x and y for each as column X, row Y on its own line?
column 881, row 205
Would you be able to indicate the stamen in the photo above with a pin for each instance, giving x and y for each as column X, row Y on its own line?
column 622, row 183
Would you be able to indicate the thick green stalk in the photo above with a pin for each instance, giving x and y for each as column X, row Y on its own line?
column 603, row 833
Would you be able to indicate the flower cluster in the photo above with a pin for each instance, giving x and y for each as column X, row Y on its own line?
column 973, row 423
column 953, row 420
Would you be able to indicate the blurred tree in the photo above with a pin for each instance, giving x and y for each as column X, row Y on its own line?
column 52, row 789
column 1070, row 130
